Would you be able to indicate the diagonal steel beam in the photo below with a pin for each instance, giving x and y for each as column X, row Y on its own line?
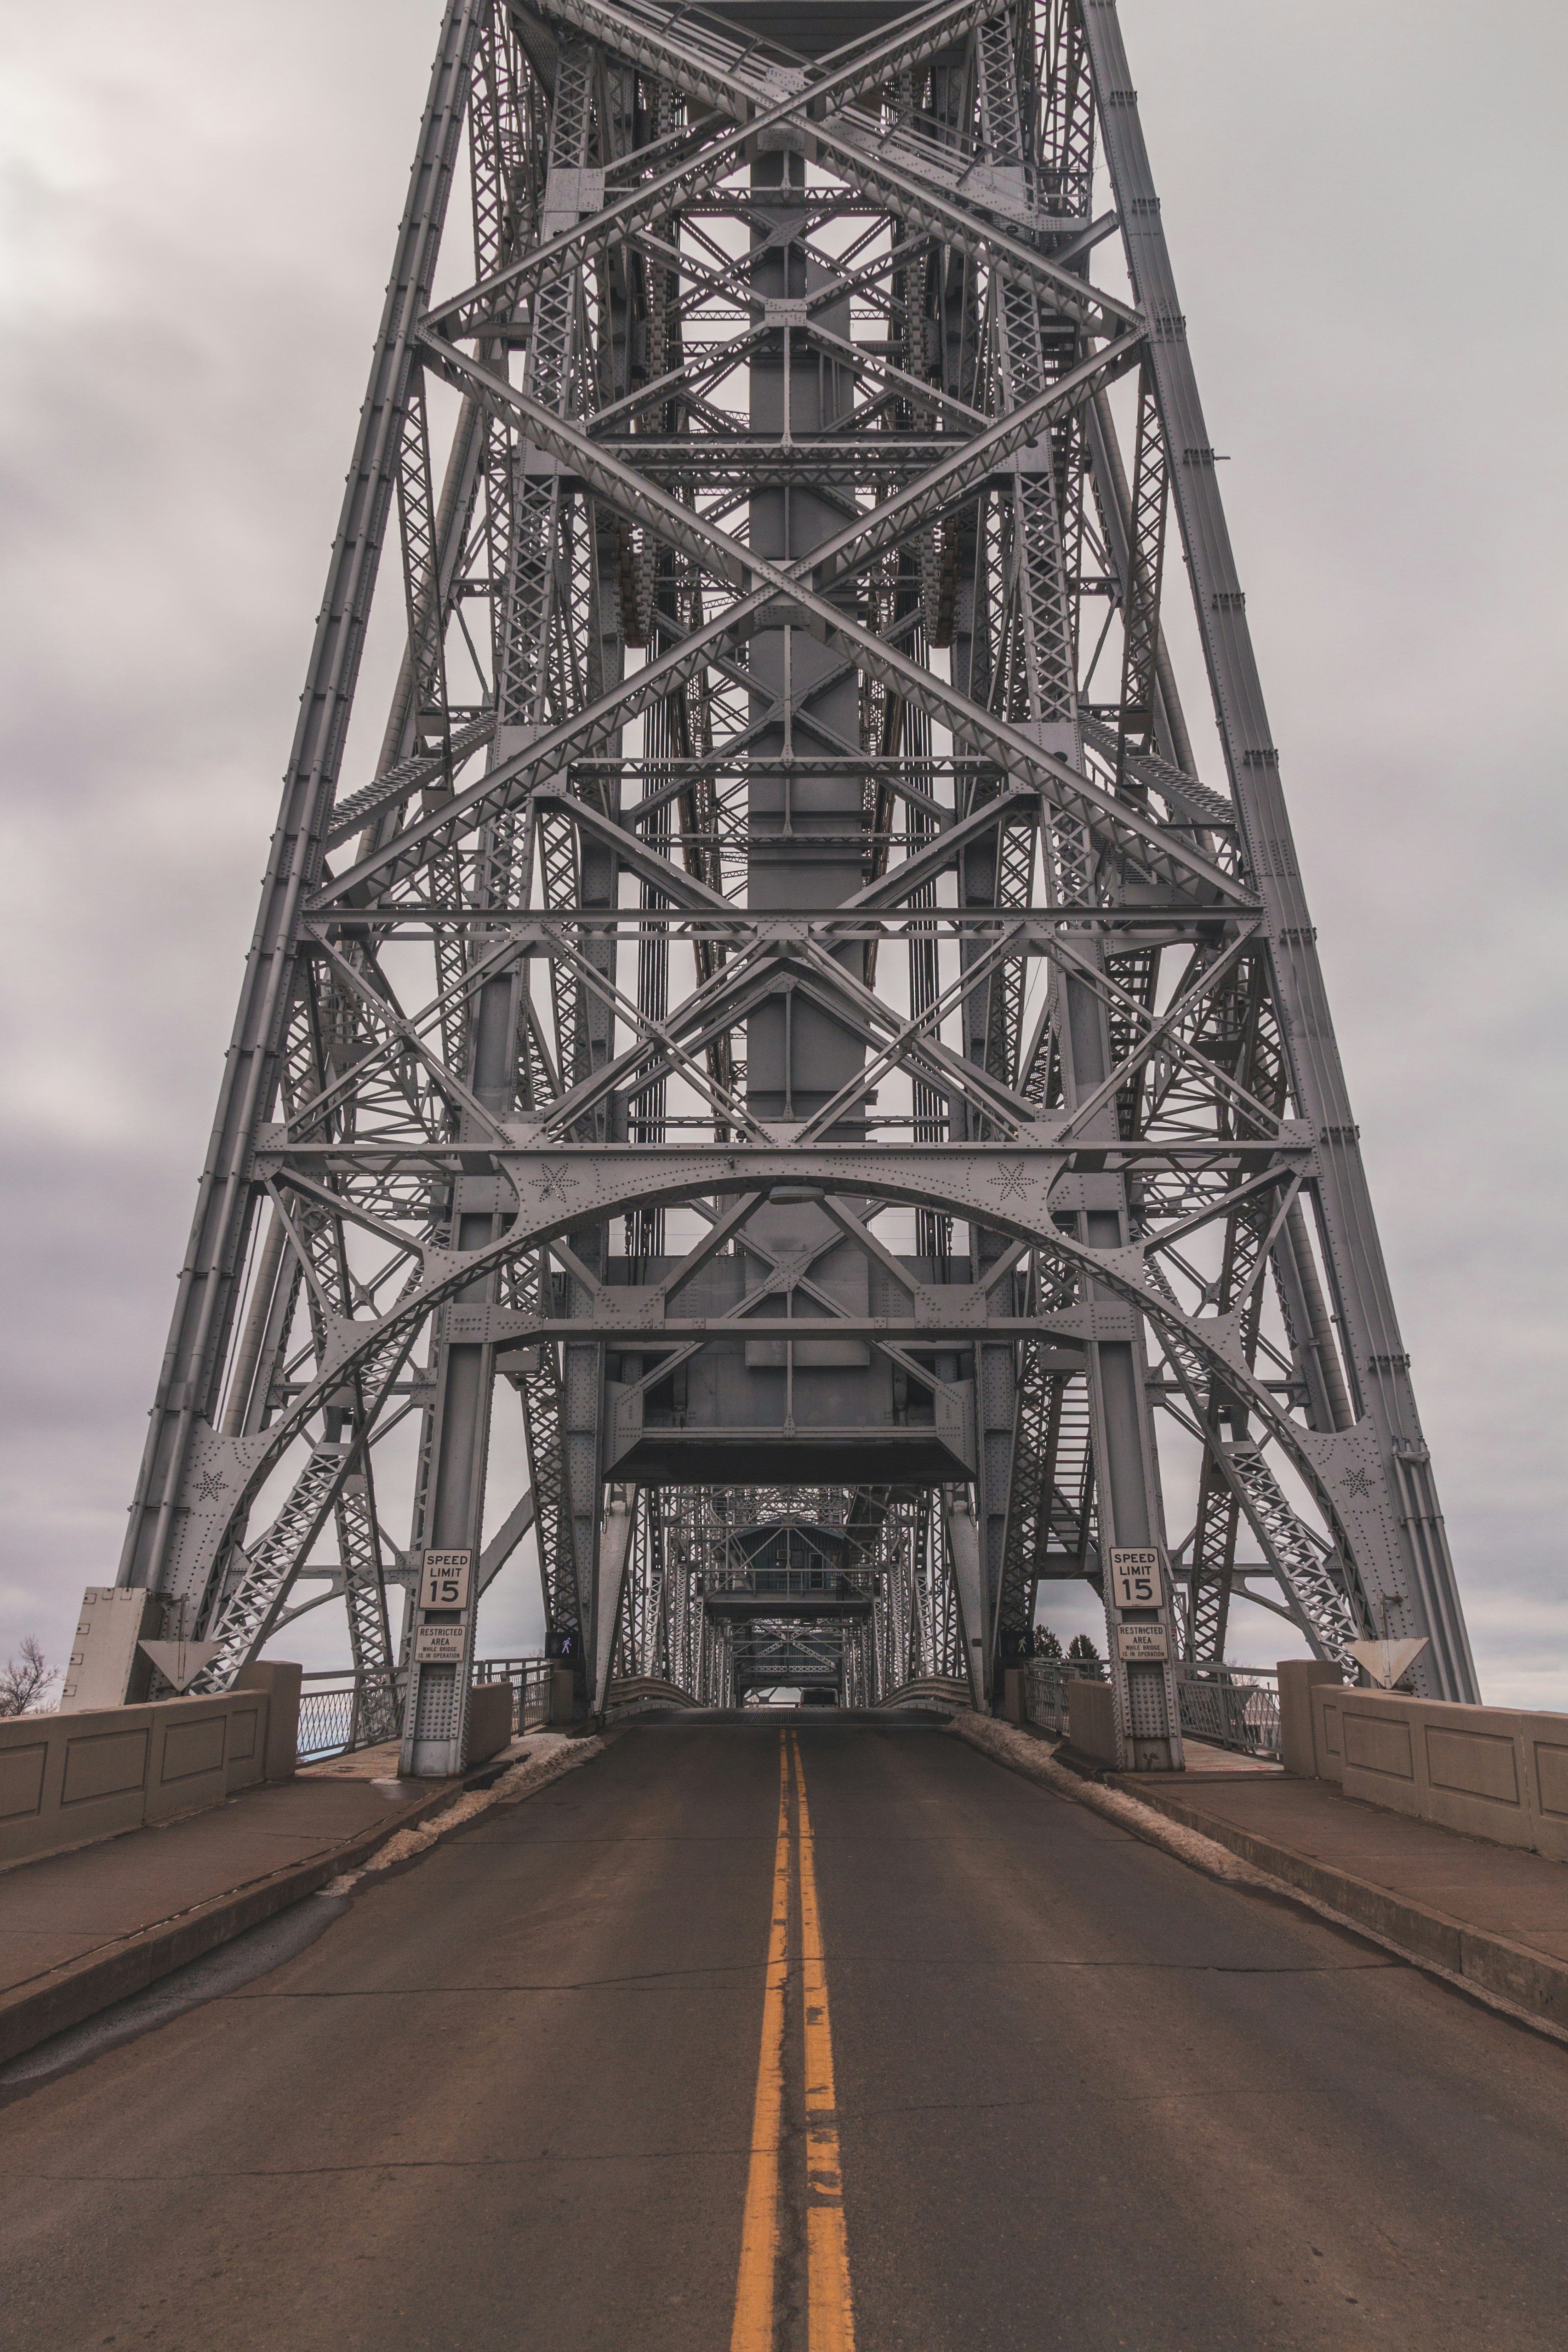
column 921, row 34
column 1120, row 827
column 858, row 153
column 224, row 1201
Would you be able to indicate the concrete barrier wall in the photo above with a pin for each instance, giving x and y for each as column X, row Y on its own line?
column 489, row 1721
column 69, row 1780
column 281, row 1681
column 1494, row 1772
column 1091, row 1719
column 1297, row 1676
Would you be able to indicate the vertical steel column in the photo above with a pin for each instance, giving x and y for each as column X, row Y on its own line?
column 1130, row 1510
column 436, row 1708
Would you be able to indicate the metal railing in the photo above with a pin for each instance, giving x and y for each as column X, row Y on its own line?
column 1228, row 1706
column 530, row 1681
column 331, row 1713
column 1049, row 1680
column 333, row 1709
column 1232, row 1706
column 836, row 1583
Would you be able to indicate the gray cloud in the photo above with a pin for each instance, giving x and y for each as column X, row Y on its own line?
column 1365, row 210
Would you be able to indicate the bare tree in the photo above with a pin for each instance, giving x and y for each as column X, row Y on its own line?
column 23, row 1682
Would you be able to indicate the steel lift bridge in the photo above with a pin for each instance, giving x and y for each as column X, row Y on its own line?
column 782, row 1011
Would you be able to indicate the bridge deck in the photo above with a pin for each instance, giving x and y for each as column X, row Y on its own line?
column 1086, row 2096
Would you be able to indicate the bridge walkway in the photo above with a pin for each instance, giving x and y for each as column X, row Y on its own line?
column 100, row 1922
column 1083, row 2096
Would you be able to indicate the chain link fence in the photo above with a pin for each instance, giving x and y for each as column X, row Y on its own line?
column 331, row 1715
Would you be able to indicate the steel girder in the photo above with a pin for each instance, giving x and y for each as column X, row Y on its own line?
column 965, row 1100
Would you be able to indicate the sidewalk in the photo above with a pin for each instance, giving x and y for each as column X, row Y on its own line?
column 80, row 1930
column 1491, row 1915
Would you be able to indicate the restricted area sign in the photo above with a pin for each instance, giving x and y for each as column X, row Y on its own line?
column 438, row 1645
column 1134, row 1579
column 1136, row 1643
column 444, row 1581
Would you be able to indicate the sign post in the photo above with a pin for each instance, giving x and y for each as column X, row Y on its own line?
column 438, row 1666
column 1140, row 1666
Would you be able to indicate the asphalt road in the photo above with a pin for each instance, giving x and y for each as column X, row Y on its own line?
column 1086, row 2096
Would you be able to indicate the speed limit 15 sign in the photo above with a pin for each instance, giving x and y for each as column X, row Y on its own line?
column 444, row 1581
column 1135, row 1580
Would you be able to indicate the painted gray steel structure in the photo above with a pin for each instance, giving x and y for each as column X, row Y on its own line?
column 783, row 1003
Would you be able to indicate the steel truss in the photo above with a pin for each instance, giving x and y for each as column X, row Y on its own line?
column 782, row 1004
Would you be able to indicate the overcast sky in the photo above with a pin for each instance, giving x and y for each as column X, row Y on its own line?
column 1366, row 209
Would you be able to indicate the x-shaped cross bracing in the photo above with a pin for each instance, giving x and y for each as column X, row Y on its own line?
column 1118, row 829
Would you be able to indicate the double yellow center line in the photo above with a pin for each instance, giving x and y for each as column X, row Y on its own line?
column 829, row 2312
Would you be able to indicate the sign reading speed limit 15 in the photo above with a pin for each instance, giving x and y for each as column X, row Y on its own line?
column 1134, row 1579
column 443, row 1581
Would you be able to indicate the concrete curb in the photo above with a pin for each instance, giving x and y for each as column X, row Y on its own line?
column 68, row 1995
column 1511, row 1973
column 413, row 1840
column 1525, row 1984
column 1027, row 1754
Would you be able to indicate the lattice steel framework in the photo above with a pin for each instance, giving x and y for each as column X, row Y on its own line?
column 782, row 1001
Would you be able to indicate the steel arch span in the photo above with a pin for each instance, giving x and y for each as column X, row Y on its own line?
column 781, row 1034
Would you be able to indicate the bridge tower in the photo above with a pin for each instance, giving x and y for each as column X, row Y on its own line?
column 780, row 1015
